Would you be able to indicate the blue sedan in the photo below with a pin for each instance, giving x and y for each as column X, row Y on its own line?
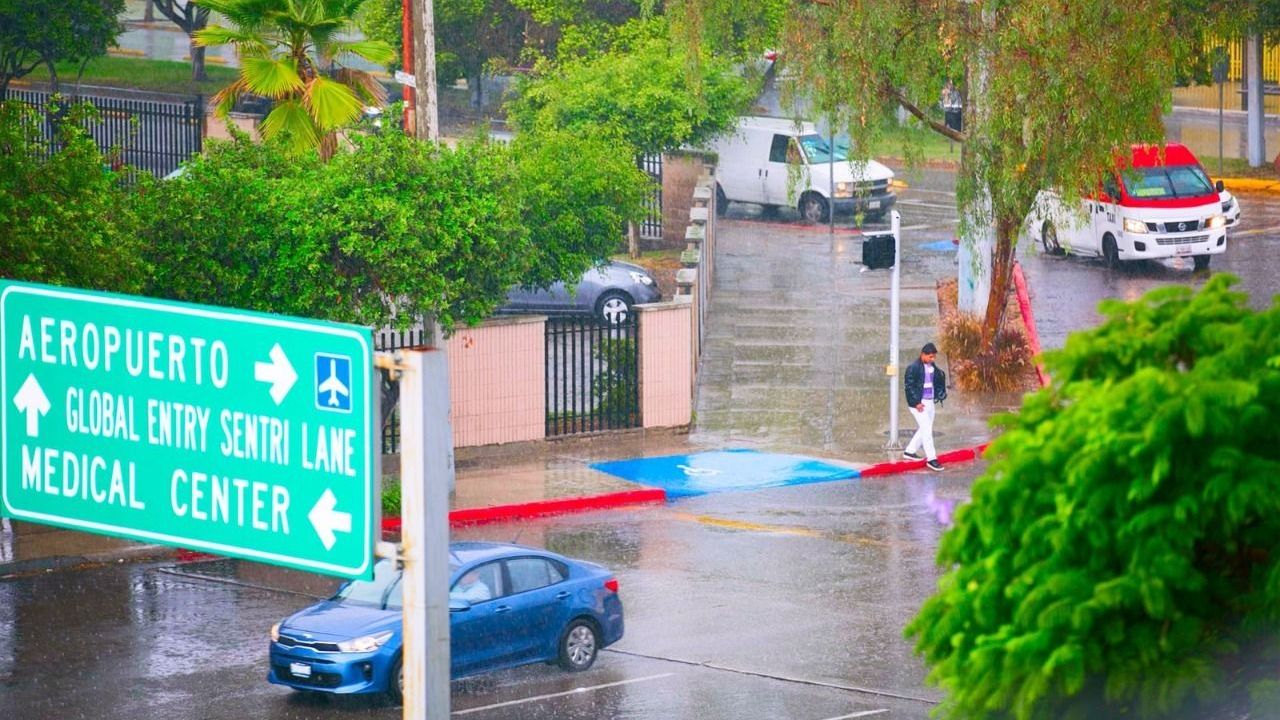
column 509, row 605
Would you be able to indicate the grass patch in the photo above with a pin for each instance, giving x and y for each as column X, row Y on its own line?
column 166, row 76
column 916, row 143
column 1238, row 168
column 390, row 498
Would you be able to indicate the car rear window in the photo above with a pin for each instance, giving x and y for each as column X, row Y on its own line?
column 532, row 573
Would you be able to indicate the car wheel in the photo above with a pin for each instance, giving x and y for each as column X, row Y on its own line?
column 722, row 201
column 1110, row 253
column 395, row 682
column 1202, row 262
column 1049, row 239
column 813, row 208
column 578, row 646
column 613, row 307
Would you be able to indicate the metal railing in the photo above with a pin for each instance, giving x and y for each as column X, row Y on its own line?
column 150, row 135
column 387, row 340
column 651, row 227
column 593, row 375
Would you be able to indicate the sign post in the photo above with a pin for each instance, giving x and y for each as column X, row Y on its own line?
column 426, row 466
column 236, row 433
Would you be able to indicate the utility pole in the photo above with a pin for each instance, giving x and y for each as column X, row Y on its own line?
column 1256, row 120
column 426, row 119
column 406, row 62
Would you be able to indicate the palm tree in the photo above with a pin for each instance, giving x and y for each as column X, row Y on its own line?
column 288, row 52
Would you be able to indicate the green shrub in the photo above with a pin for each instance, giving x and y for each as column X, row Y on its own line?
column 1122, row 548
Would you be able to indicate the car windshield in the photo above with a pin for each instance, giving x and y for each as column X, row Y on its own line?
column 1166, row 182
column 818, row 149
column 384, row 591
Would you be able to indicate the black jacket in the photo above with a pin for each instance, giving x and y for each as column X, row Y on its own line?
column 913, row 383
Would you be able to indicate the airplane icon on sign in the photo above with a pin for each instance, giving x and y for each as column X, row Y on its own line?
column 333, row 375
column 333, row 385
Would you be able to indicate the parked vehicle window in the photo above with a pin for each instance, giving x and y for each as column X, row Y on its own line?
column 479, row 584
column 531, row 573
column 1167, row 182
column 778, row 151
column 1111, row 189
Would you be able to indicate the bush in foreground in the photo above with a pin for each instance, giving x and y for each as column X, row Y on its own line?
column 1121, row 554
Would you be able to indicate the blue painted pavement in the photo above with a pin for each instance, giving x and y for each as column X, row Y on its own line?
column 724, row 471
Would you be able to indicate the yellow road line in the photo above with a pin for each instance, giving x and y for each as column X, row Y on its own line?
column 786, row 530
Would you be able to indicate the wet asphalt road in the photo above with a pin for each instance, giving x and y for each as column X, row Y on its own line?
column 784, row 603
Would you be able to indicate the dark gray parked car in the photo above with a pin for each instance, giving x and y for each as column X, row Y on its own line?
column 607, row 292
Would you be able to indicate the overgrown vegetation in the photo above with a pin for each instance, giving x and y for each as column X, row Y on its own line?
column 1121, row 554
column 65, row 216
column 1004, row 367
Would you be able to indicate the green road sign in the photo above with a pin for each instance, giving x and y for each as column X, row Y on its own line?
column 236, row 433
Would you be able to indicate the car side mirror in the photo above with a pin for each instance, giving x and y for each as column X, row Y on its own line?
column 458, row 605
column 1219, row 186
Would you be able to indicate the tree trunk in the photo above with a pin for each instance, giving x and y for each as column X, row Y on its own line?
column 633, row 241
column 476, row 86
column 53, row 77
column 197, row 61
column 149, row 15
column 1001, row 280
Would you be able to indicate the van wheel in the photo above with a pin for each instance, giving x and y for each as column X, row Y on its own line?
column 813, row 208
column 1202, row 262
column 1110, row 253
column 722, row 201
column 1049, row 239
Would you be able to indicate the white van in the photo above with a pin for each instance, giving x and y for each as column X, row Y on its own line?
column 1157, row 203
column 754, row 163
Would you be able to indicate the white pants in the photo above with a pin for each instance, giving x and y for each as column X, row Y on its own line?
column 924, row 435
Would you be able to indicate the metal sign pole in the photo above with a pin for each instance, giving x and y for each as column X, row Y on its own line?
column 426, row 469
column 894, row 316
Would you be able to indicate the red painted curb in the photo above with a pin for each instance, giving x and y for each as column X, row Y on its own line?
column 1028, row 320
column 902, row 466
column 540, row 508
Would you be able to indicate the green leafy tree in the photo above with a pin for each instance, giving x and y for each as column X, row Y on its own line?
column 389, row 232
column 1121, row 554
column 64, row 218
column 639, row 92
column 289, row 51
column 37, row 32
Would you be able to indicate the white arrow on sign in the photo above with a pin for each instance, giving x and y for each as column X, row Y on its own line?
column 325, row 519
column 279, row 372
column 32, row 401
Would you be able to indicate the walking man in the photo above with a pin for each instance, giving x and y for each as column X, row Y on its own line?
column 926, row 385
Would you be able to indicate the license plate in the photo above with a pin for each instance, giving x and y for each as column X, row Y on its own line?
column 301, row 670
column 874, row 205
column 1183, row 250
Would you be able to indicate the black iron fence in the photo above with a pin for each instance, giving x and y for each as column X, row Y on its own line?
column 389, row 340
column 651, row 227
column 593, row 375
column 151, row 135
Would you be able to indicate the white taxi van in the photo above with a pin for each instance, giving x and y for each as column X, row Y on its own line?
column 1159, row 203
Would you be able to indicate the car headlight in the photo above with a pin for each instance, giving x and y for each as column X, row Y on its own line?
column 1217, row 221
column 367, row 643
column 1134, row 226
column 844, row 189
column 275, row 633
column 641, row 278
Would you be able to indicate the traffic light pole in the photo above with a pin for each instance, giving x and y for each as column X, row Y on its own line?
column 894, row 318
